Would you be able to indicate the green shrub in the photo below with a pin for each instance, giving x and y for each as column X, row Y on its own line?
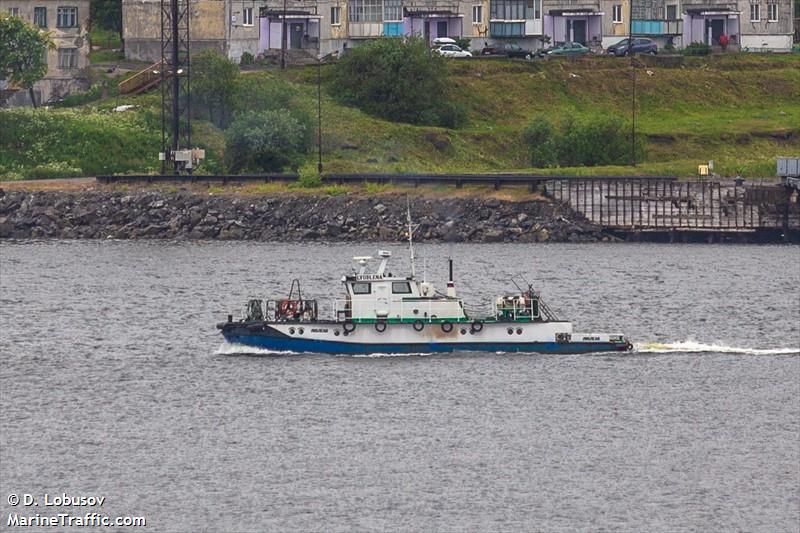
column 246, row 59
column 538, row 137
column 214, row 81
column 309, row 178
column 255, row 93
column 593, row 141
column 697, row 49
column 397, row 79
column 267, row 141
column 463, row 42
column 56, row 169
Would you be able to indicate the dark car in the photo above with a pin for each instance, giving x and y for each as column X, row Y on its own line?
column 508, row 49
column 640, row 46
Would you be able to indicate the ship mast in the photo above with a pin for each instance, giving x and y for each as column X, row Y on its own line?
column 411, row 229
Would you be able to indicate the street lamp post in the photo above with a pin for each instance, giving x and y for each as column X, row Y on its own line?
column 319, row 113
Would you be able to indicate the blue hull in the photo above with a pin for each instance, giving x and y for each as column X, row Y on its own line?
column 291, row 344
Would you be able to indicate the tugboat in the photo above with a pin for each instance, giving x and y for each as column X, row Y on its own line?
column 387, row 314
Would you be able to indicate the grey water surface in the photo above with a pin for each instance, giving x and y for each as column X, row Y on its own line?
column 114, row 382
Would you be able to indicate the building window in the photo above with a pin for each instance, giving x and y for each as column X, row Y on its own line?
column 247, row 16
column 13, row 11
column 772, row 12
column 616, row 13
column 365, row 11
column 477, row 14
column 755, row 13
column 336, row 13
column 40, row 17
column 67, row 58
column 507, row 10
column 507, row 29
column 392, row 10
column 537, row 9
column 67, row 17
column 672, row 12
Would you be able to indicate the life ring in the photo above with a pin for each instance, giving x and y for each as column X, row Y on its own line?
column 477, row 326
column 447, row 327
column 380, row 326
column 419, row 325
column 349, row 326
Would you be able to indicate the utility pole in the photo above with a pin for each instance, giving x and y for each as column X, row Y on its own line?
column 283, row 37
column 633, row 83
column 319, row 112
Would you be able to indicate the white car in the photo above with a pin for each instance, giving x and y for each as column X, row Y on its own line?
column 451, row 50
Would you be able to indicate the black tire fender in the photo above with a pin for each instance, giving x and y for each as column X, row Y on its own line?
column 349, row 326
column 477, row 326
column 380, row 326
column 419, row 325
column 447, row 327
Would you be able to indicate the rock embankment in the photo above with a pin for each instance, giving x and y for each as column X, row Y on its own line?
column 299, row 217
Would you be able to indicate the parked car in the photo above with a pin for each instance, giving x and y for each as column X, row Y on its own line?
column 640, row 46
column 508, row 49
column 566, row 49
column 451, row 50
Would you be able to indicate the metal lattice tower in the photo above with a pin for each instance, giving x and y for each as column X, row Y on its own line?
column 175, row 99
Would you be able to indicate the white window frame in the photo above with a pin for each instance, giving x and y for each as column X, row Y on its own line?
column 666, row 11
column 616, row 14
column 477, row 14
column 336, row 15
column 63, row 12
column 755, row 13
column 772, row 12
column 247, row 16
column 36, row 21
column 72, row 53
column 13, row 11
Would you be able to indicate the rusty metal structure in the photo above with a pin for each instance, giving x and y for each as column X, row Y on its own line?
column 175, row 84
column 639, row 205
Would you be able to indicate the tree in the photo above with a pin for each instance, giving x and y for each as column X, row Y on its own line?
column 214, row 82
column 23, row 55
column 267, row 141
column 399, row 80
column 107, row 14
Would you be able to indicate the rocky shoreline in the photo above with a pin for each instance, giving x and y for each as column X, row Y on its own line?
column 286, row 217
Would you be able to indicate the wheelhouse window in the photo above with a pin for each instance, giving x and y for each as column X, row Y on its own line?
column 247, row 16
column 67, row 17
column 40, row 17
column 362, row 288
column 616, row 13
column 477, row 14
column 755, row 13
column 401, row 287
column 336, row 14
column 365, row 11
column 772, row 12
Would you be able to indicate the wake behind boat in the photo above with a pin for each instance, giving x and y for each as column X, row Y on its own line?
column 383, row 313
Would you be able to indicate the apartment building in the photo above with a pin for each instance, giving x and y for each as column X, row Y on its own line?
column 67, row 22
column 324, row 26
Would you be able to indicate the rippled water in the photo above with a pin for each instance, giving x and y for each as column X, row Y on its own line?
column 114, row 382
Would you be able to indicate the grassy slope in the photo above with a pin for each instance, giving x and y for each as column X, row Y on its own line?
column 731, row 109
column 727, row 109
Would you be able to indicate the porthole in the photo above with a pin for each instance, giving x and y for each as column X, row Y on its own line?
column 336, row 332
column 463, row 331
column 291, row 331
column 300, row 331
column 510, row 331
column 519, row 331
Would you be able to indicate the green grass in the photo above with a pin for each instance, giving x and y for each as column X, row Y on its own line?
column 742, row 111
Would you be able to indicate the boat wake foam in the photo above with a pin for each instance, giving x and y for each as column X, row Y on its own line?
column 698, row 347
column 241, row 349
